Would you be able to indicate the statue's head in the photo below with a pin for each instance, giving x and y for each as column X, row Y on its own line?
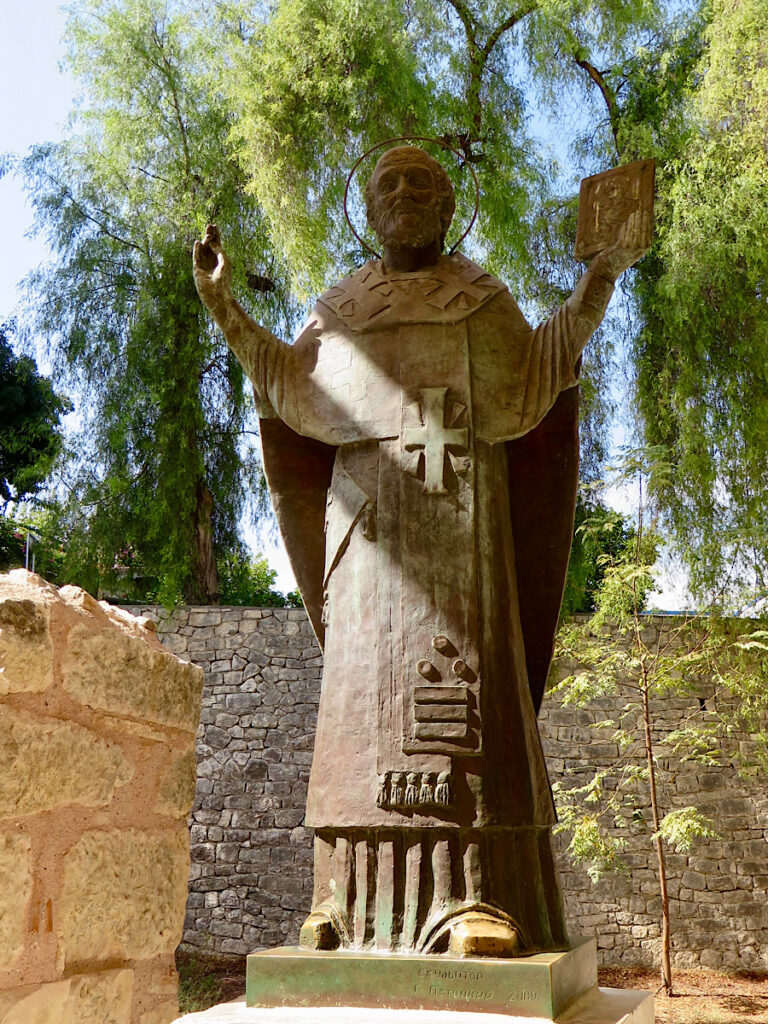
column 409, row 199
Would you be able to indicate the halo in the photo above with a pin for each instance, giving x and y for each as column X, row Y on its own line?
column 412, row 138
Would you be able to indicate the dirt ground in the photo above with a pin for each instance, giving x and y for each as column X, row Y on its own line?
column 207, row 980
column 701, row 997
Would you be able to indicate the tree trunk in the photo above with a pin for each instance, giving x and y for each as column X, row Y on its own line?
column 185, row 411
column 204, row 586
column 666, row 941
column 666, row 933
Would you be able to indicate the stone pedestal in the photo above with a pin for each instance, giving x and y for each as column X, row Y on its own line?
column 543, row 985
column 598, row 1006
column 296, row 986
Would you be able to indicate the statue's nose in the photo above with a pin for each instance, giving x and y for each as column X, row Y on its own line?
column 403, row 188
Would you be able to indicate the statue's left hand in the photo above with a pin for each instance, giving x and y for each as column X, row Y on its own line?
column 628, row 248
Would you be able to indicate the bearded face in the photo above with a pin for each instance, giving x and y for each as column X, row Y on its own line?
column 404, row 206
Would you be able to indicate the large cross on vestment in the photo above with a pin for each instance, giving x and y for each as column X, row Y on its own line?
column 434, row 439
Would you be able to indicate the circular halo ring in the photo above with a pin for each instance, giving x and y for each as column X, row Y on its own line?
column 411, row 138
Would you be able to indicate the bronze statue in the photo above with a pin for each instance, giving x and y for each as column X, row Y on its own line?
column 420, row 442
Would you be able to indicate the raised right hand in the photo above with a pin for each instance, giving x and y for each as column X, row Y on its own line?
column 211, row 268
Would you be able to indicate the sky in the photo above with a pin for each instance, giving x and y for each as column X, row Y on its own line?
column 37, row 99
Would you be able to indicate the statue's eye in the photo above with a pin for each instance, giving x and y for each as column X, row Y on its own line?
column 419, row 179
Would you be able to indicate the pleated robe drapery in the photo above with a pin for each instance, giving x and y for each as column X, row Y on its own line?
column 426, row 736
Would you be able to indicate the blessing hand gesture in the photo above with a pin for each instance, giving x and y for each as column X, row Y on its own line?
column 212, row 269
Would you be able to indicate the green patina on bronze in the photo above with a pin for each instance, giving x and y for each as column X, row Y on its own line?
column 420, row 443
column 543, row 985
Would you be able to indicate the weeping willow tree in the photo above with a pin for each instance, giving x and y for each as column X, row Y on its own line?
column 314, row 83
column 251, row 114
column 702, row 353
column 160, row 472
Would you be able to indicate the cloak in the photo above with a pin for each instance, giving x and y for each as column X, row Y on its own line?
column 421, row 451
column 543, row 464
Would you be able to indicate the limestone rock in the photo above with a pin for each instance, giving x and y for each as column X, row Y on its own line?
column 48, row 762
column 177, row 788
column 165, row 1014
column 123, row 895
column 122, row 673
column 26, row 650
column 164, row 979
column 15, row 886
column 103, row 998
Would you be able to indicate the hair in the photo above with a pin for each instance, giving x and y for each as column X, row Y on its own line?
column 445, row 195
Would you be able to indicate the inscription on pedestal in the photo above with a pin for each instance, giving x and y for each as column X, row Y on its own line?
column 448, row 984
column 542, row 985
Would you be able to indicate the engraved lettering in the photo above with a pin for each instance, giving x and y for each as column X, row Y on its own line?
column 464, row 995
column 448, row 974
column 523, row 996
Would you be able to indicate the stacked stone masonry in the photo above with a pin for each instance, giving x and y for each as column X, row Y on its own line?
column 97, row 728
column 251, row 879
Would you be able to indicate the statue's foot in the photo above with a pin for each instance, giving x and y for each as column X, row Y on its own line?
column 319, row 932
column 480, row 934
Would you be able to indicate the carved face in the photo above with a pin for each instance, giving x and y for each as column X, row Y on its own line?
column 406, row 199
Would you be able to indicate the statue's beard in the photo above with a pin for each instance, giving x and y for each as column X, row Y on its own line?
column 407, row 226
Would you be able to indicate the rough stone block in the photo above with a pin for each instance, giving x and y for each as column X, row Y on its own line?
column 124, row 674
column 177, row 787
column 175, row 642
column 103, row 998
column 15, row 887
column 26, row 649
column 165, row 1014
column 693, row 880
column 123, row 896
column 48, row 762
column 210, row 617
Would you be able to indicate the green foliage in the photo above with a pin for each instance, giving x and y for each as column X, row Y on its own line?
column 703, row 346
column 200, row 986
column 12, row 544
column 681, row 828
column 314, row 83
column 308, row 83
column 601, row 537
column 30, row 434
column 719, row 667
column 245, row 580
column 580, row 813
column 46, row 551
column 160, row 462
column 251, row 115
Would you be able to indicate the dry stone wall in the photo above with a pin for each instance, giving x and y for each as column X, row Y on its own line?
column 719, row 890
column 251, row 878
column 250, row 885
column 97, row 726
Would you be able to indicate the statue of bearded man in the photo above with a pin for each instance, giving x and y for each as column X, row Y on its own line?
column 420, row 442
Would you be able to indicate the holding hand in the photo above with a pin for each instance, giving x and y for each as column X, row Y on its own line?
column 629, row 247
column 212, row 269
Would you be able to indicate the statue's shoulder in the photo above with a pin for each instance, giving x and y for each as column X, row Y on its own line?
column 349, row 287
column 463, row 268
column 450, row 291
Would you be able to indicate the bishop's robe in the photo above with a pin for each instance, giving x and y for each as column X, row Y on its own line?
column 396, row 406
